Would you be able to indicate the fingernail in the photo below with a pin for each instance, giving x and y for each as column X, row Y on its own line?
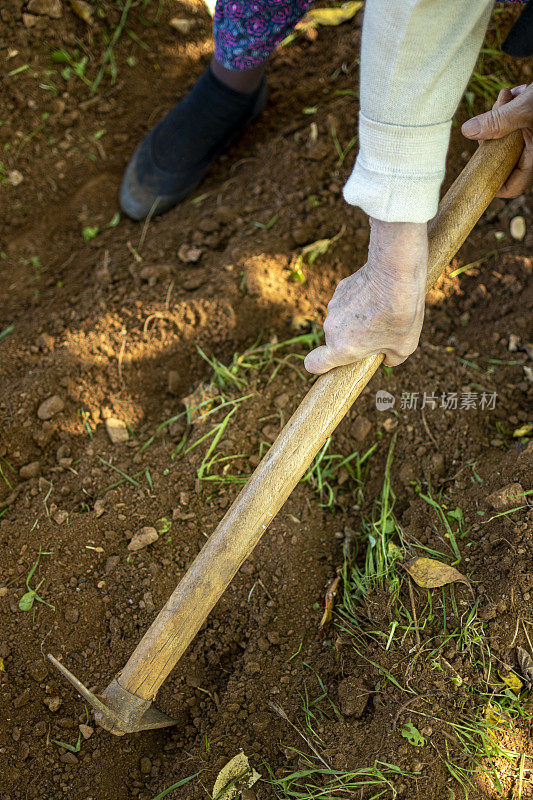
column 471, row 127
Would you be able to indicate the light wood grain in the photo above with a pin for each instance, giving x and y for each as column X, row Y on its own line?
column 293, row 451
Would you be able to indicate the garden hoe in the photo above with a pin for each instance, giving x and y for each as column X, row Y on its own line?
column 126, row 705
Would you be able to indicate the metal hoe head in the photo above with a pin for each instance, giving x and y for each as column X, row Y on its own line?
column 117, row 710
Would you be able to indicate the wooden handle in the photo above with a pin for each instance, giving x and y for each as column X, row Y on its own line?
column 298, row 443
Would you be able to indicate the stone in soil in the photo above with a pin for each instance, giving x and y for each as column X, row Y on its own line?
column 116, row 430
column 99, row 507
column 361, row 427
column 50, row 407
column 86, row 731
column 145, row 537
column 509, row 496
column 189, row 254
column 46, row 8
column 32, row 470
column 68, row 758
column 174, row 382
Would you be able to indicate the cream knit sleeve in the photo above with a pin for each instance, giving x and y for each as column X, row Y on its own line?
column 416, row 59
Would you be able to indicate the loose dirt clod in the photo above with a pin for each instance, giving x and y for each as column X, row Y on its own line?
column 510, row 496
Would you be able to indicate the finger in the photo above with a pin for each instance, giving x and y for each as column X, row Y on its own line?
column 519, row 89
column 504, row 96
column 522, row 177
column 392, row 360
column 497, row 122
column 322, row 359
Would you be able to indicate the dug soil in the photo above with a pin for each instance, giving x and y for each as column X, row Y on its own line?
column 111, row 327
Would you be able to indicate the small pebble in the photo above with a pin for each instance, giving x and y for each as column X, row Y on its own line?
column 15, row 177
column 50, row 407
column 116, row 430
column 68, row 758
column 509, row 496
column 514, row 341
column 86, row 731
column 99, row 507
column 518, row 228
column 145, row 537
column 181, row 25
column 48, row 8
column 189, row 254
column 32, row 470
column 174, row 382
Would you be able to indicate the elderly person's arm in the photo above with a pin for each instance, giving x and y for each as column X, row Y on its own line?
column 417, row 57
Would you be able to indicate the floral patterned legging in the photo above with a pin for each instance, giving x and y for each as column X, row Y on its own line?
column 246, row 33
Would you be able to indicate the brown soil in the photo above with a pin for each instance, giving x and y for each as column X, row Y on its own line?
column 103, row 328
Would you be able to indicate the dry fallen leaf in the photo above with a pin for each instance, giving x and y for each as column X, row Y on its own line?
column 524, row 430
column 234, row 777
column 334, row 16
column 430, row 573
column 494, row 717
column 331, row 593
column 512, row 681
column 526, row 665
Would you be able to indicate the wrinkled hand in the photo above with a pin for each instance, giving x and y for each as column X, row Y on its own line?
column 379, row 309
column 513, row 110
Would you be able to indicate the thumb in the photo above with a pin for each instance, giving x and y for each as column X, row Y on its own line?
column 493, row 124
column 321, row 360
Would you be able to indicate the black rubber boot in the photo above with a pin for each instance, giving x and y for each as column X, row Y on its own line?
column 175, row 155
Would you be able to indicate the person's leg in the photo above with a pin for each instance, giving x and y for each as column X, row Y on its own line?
column 175, row 155
column 245, row 81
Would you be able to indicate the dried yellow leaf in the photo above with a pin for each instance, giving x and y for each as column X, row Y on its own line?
column 430, row 573
column 493, row 717
column 234, row 777
column 334, row 16
column 331, row 593
column 512, row 681
column 525, row 430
